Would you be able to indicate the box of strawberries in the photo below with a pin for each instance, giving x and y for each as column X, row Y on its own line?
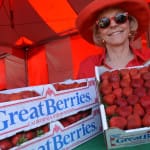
column 33, row 115
column 66, row 133
column 125, row 105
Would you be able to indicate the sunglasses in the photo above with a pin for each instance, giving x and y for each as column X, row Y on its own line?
column 120, row 18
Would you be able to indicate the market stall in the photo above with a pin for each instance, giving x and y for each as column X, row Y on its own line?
column 40, row 46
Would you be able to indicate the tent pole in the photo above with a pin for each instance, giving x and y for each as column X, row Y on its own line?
column 26, row 65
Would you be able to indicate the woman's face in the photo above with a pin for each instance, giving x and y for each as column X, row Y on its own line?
column 114, row 34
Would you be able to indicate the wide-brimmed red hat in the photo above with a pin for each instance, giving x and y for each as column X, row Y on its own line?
column 87, row 17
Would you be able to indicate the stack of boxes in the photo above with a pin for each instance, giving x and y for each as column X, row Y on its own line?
column 69, row 111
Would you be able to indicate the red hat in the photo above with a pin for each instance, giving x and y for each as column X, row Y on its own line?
column 87, row 17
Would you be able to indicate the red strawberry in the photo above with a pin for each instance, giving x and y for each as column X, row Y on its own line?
column 147, row 84
column 110, row 110
column 132, row 99
column 117, row 92
column 147, row 108
column 146, row 76
column 148, row 92
column 14, row 96
column 118, row 122
column 138, row 109
column 134, row 121
column 133, row 72
column 124, row 111
column 109, row 99
column 107, row 89
column 71, row 119
column 114, row 76
column 125, row 83
column 146, row 120
column 104, row 82
column 29, row 134
column 127, row 91
column 136, row 76
column 18, row 139
column 121, row 101
column 145, row 101
column 143, row 69
column 124, row 72
column 105, row 75
column 4, row 97
column 65, row 122
column 115, row 85
column 141, row 91
column 135, row 83
column 5, row 144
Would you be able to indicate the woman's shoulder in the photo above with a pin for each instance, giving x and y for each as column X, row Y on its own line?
column 144, row 53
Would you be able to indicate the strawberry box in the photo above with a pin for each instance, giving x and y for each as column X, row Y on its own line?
column 58, row 135
column 27, row 108
column 125, row 105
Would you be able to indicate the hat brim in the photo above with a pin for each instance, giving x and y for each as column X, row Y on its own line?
column 87, row 17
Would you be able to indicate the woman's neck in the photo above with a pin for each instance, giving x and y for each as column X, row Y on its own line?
column 118, row 57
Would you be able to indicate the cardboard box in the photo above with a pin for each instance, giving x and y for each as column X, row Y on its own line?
column 49, row 106
column 115, row 137
column 69, row 137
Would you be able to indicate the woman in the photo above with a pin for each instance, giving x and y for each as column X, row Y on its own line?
column 113, row 25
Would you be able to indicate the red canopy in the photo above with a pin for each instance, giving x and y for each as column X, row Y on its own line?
column 39, row 40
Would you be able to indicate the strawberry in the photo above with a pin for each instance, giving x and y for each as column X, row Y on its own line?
column 29, row 135
column 117, row 92
column 145, row 101
column 14, row 96
column 71, row 119
column 124, row 111
column 106, row 89
column 125, row 83
column 146, row 120
column 4, row 97
column 136, row 76
column 65, row 122
column 114, row 76
column 135, row 83
column 42, row 130
column 138, row 109
column 147, row 84
column 115, row 85
column 148, row 92
column 147, row 108
column 141, row 91
column 146, row 76
column 109, row 99
column 5, row 144
column 45, row 128
column 124, row 72
column 132, row 99
column 127, row 91
column 105, row 75
column 18, row 139
column 133, row 72
column 121, row 101
column 143, row 69
column 104, row 82
column 110, row 110
column 134, row 121
column 118, row 122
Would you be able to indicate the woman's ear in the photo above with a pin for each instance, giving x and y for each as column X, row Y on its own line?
column 133, row 24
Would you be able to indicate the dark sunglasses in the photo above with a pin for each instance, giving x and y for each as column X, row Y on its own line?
column 120, row 18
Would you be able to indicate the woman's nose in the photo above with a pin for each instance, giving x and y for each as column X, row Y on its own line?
column 112, row 23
